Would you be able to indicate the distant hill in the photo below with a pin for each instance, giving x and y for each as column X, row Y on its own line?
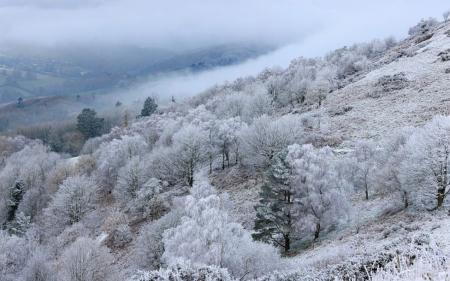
column 75, row 70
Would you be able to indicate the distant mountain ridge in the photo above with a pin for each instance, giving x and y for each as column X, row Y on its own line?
column 77, row 70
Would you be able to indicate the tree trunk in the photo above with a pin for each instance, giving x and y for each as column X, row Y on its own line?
column 440, row 198
column 223, row 160
column 191, row 175
column 287, row 243
column 367, row 191
column 405, row 199
column 210, row 163
column 317, row 232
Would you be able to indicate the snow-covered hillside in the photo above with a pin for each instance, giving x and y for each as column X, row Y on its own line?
column 336, row 168
column 421, row 93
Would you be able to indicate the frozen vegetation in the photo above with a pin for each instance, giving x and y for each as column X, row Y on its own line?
column 335, row 168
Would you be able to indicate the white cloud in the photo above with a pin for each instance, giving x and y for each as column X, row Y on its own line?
column 299, row 27
column 181, row 24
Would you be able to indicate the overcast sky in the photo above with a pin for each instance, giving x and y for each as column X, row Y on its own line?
column 182, row 24
column 297, row 27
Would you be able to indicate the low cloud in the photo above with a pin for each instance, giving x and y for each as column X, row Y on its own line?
column 180, row 24
column 297, row 27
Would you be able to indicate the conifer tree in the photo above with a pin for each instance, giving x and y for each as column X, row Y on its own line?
column 89, row 124
column 274, row 218
column 20, row 225
column 150, row 107
column 15, row 196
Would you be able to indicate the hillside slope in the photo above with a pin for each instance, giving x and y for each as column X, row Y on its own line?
column 342, row 190
column 421, row 91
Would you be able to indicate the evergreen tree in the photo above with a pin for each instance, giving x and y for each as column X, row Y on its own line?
column 20, row 225
column 15, row 196
column 20, row 102
column 150, row 107
column 89, row 124
column 274, row 218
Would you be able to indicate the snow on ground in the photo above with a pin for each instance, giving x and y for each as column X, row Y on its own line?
column 374, row 245
column 427, row 94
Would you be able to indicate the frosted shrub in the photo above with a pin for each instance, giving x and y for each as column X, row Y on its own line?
column 423, row 268
column 184, row 271
column 424, row 26
column 39, row 267
column 119, row 237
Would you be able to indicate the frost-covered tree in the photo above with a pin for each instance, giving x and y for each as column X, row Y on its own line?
column 274, row 89
column 424, row 26
column 188, row 144
column 228, row 140
column 87, row 260
column 425, row 170
column 74, row 199
column 24, row 172
column 149, row 202
column 177, row 163
column 302, row 75
column 208, row 236
column 275, row 213
column 232, row 105
column 33, row 202
column 393, row 154
column 116, row 154
column 347, row 61
column 131, row 178
column 10, row 145
column 257, row 105
column 318, row 188
column 14, row 254
column 446, row 15
column 268, row 136
column 365, row 156
column 149, row 246
column 39, row 267
column 184, row 271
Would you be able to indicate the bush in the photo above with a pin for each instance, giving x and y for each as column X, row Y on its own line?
column 184, row 272
column 424, row 26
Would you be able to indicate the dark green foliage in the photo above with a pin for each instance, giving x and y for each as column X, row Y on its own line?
column 20, row 224
column 20, row 102
column 150, row 107
column 274, row 214
column 15, row 196
column 89, row 124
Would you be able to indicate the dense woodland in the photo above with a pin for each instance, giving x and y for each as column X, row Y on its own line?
column 149, row 199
